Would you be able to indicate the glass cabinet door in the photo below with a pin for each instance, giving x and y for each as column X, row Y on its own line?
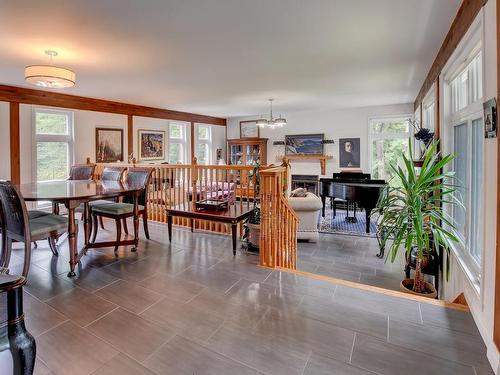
column 252, row 154
column 236, row 155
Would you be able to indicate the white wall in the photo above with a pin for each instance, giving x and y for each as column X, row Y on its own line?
column 335, row 124
column 482, row 303
column 85, row 123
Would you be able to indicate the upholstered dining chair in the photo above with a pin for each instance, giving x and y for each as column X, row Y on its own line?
column 108, row 174
column 18, row 224
column 78, row 172
column 120, row 211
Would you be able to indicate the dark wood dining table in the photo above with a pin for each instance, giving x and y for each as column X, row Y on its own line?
column 75, row 193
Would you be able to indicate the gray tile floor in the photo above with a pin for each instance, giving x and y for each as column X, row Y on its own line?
column 191, row 308
column 351, row 258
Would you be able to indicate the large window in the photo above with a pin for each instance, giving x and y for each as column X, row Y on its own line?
column 388, row 141
column 467, row 142
column 203, row 144
column 53, row 144
column 177, row 143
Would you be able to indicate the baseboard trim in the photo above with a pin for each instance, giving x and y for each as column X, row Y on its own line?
column 370, row 288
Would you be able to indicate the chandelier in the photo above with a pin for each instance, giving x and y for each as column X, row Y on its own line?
column 48, row 75
column 272, row 122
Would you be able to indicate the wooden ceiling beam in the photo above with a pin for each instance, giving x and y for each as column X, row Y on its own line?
column 23, row 95
column 465, row 16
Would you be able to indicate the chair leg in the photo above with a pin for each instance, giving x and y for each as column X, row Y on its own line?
column 35, row 245
column 6, row 254
column 118, row 232
column 27, row 257
column 145, row 223
column 95, row 227
column 125, row 228
column 101, row 222
column 53, row 246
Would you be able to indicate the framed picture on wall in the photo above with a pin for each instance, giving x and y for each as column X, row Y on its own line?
column 304, row 144
column 349, row 153
column 151, row 144
column 108, row 145
column 249, row 129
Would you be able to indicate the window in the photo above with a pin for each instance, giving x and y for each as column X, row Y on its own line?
column 203, row 144
column 466, row 131
column 388, row 141
column 467, row 87
column 177, row 143
column 53, row 144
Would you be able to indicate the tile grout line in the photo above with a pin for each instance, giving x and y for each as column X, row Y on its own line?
column 352, row 347
column 102, row 316
column 57, row 325
column 307, row 362
column 388, row 323
column 420, row 312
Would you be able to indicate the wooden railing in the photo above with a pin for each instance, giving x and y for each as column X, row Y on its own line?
column 278, row 223
column 176, row 184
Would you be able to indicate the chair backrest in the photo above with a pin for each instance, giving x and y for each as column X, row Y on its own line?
column 82, row 172
column 14, row 221
column 113, row 173
column 141, row 177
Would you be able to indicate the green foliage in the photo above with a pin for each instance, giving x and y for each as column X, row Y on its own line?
column 51, row 123
column 52, row 161
column 411, row 209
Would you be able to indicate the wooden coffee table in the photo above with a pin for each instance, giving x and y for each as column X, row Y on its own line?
column 234, row 214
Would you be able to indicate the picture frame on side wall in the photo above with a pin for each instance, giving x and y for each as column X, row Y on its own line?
column 151, row 144
column 108, row 145
column 349, row 153
column 249, row 129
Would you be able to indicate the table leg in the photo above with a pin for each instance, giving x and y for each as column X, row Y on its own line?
column 169, row 224
column 234, row 228
column 136, row 222
column 192, row 225
column 86, row 222
column 72, row 241
column 323, row 202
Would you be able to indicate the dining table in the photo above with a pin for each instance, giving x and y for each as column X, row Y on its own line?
column 72, row 194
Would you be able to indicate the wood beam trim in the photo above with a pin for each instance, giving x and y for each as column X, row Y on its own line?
column 465, row 16
column 15, row 146
column 130, row 135
column 192, row 143
column 54, row 99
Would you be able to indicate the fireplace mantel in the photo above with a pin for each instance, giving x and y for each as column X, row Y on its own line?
column 321, row 158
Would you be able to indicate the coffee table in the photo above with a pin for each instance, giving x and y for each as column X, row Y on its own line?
column 234, row 214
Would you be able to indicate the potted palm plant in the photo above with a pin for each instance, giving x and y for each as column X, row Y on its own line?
column 412, row 216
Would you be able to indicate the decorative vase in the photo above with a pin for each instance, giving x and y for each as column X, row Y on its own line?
column 254, row 235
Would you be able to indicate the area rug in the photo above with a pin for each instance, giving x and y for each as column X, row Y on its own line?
column 338, row 224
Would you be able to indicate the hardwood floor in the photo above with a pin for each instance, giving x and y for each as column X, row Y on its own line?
column 191, row 308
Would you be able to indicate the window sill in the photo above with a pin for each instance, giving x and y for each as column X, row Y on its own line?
column 470, row 276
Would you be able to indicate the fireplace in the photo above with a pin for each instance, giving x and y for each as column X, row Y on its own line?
column 306, row 181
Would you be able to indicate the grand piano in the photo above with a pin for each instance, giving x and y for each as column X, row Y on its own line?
column 354, row 188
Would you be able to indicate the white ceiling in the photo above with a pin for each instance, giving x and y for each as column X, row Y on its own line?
column 226, row 57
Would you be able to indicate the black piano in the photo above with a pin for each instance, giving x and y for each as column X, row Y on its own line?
column 354, row 188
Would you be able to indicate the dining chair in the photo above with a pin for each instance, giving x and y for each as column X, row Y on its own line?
column 120, row 211
column 108, row 174
column 78, row 172
column 18, row 224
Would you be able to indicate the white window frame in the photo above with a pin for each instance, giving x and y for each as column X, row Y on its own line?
column 429, row 110
column 181, row 141
column 468, row 49
column 207, row 142
column 389, row 135
column 67, row 138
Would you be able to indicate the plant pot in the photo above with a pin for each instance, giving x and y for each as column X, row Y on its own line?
column 406, row 286
column 254, row 234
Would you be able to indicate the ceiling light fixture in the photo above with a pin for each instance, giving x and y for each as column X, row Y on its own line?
column 49, row 76
column 272, row 122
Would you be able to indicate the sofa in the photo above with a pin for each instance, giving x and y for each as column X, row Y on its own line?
column 308, row 209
